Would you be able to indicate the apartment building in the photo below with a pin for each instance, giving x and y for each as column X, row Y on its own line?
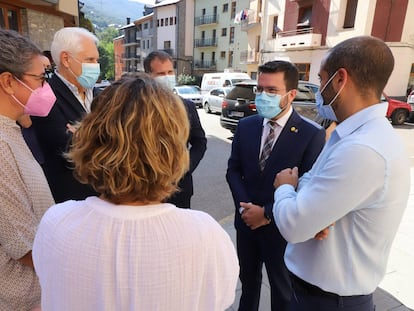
column 301, row 31
column 220, row 44
column 39, row 19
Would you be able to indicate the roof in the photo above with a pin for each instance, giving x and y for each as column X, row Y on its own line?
column 164, row 3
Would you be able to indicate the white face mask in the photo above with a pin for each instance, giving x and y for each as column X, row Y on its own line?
column 168, row 81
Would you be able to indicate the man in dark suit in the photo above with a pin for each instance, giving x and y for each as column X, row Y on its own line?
column 264, row 144
column 159, row 65
column 75, row 53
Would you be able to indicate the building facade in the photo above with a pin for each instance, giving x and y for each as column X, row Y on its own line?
column 302, row 31
column 39, row 19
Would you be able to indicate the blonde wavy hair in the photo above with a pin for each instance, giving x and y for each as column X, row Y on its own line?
column 132, row 147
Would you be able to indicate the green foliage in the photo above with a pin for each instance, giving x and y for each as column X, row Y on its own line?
column 106, row 52
column 185, row 79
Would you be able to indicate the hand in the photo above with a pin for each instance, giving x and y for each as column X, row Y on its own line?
column 323, row 234
column 287, row 176
column 253, row 215
column 71, row 128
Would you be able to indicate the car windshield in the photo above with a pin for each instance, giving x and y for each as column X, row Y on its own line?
column 242, row 91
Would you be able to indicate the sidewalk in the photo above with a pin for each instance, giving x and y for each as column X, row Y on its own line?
column 394, row 292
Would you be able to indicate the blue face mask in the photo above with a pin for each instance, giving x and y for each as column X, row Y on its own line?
column 168, row 81
column 90, row 74
column 268, row 106
column 326, row 111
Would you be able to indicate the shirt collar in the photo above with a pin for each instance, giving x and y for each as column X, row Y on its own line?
column 358, row 119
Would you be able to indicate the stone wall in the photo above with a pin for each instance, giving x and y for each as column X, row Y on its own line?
column 41, row 27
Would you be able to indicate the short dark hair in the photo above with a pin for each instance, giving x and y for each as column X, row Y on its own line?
column 368, row 61
column 291, row 74
column 161, row 55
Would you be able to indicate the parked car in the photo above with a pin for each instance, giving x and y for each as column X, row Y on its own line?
column 239, row 103
column 213, row 99
column 398, row 111
column 410, row 99
column 190, row 92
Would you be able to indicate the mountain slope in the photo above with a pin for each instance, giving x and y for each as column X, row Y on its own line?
column 106, row 12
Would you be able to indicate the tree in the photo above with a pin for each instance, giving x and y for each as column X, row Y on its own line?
column 106, row 52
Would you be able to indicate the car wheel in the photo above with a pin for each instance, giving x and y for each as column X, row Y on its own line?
column 207, row 107
column 399, row 116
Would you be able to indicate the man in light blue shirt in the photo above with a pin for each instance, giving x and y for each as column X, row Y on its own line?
column 359, row 184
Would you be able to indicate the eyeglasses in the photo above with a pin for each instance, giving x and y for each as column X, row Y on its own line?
column 47, row 74
column 270, row 91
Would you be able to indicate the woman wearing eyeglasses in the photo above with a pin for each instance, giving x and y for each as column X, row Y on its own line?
column 24, row 192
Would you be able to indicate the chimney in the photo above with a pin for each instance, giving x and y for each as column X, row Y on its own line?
column 128, row 20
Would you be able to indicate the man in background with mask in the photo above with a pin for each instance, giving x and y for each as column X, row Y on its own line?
column 263, row 145
column 74, row 51
column 159, row 65
column 360, row 182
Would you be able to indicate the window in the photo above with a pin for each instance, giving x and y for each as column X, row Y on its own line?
column 162, row 22
column 350, row 13
column 171, row 20
column 223, row 54
column 213, row 57
column 230, row 62
column 275, row 28
column 175, row 20
column 138, row 43
column 223, row 32
column 233, row 10
column 203, row 12
column 305, row 16
column 166, row 21
column 231, row 40
column 167, row 44
column 158, row 23
column 225, row 7
column 9, row 17
column 146, row 26
column 304, row 69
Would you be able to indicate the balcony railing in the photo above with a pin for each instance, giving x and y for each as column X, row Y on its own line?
column 298, row 38
column 249, row 57
column 203, row 64
column 205, row 42
column 252, row 20
column 206, row 19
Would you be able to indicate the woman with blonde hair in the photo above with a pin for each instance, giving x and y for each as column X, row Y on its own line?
column 126, row 249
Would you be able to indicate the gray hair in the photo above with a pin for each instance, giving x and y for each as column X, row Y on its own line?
column 68, row 39
column 17, row 53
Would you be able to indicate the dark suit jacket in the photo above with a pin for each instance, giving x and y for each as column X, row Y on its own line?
column 197, row 142
column 299, row 144
column 54, row 140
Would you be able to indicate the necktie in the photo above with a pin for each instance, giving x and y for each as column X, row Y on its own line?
column 267, row 146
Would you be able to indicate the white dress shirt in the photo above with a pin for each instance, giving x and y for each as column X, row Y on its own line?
column 361, row 183
column 94, row 255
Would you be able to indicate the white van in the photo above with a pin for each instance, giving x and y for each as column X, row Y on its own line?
column 217, row 79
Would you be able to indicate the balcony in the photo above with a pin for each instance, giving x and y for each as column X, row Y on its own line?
column 205, row 42
column 252, row 20
column 204, row 64
column 249, row 57
column 298, row 39
column 206, row 20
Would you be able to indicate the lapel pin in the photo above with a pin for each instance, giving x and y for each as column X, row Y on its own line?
column 293, row 129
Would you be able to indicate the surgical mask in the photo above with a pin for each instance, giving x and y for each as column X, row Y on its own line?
column 326, row 111
column 90, row 74
column 167, row 80
column 268, row 106
column 40, row 101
